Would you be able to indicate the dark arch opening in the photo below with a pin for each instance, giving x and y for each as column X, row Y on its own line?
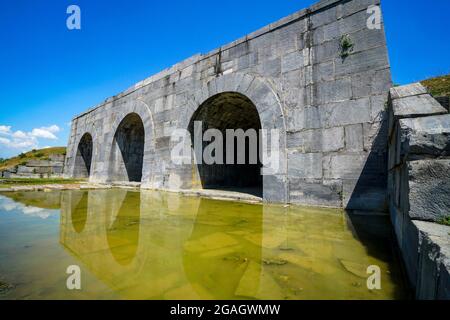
column 83, row 158
column 128, row 150
column 224, row 111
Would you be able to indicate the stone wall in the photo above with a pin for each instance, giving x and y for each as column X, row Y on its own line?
column 329, row 108
column 52, row 167
column 419, row 187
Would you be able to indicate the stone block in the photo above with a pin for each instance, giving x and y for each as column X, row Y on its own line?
column 444, row 101
column 39, row 163
column 413, row 89
column 378, row 108
column 319, row 140
column 270, row 68
column 57, row 158
column 364, row 39
column 320, row 18
column 415, row 106
column 433, row 263
column 292, row 61
column 24, row 169
column 343, row 166
column 354, row 137
column 275, row 189
column 327, row 51
column 425, row 136
column 315, row 192
column 305, row 118
column 333, row 139
column 363, row 197
column 375, row 136
column 429, row 189
column 345, row 113
column 326, row 33
column 323, row 72
column 305, row 165
column 333, row 91
column 358, row 62
column 351, row 7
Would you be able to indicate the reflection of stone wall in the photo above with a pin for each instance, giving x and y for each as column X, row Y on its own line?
column 113, row 247
column 38, row 199
column 51, row 168
column 419, row 187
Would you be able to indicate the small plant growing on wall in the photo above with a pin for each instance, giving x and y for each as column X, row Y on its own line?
column 346, row 45
column 445, row 221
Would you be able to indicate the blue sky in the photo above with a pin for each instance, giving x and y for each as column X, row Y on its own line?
column 49, row 74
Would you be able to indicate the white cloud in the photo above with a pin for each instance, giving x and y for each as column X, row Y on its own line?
column 46, row 132
column 4, row 141
column 9, row 205
column 42, row 133
column 25, row 141
column 19, row 134
column 5, row 129
column 54, row 128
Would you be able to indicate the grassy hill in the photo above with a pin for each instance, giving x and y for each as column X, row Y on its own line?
column 438, row 86
column 41, row 154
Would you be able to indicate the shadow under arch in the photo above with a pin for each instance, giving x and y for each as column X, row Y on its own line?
column 122, row 230
column 127, row 152
column 224, row 111
column 83, row 157
column 225, row 243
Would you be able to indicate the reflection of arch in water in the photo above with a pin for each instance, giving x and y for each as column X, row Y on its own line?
column 122, row 230
column 226, row 238
column 97, row 247
column 79, row 210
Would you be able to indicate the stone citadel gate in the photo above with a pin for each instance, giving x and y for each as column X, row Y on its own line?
column 320, row 77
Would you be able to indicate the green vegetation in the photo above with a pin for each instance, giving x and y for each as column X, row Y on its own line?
column 445, row 221
column 438, row 86
column 346, row 45
column 7, row 183
column 23, row 158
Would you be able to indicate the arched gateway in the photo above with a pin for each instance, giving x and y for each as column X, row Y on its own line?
column 322, row 115
column 83, row 158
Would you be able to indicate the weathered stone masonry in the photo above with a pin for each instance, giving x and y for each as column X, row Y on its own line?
column 419, row 187
column 330, row 111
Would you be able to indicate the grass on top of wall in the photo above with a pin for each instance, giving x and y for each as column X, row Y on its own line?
column 23, row 158
column 438, row 86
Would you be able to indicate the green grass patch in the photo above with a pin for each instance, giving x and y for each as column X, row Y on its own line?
column 6, row 183
column 23, row 158
column 438, row 86
column 445, row 221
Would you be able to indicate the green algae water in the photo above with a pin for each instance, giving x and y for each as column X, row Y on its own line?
column 154, row 245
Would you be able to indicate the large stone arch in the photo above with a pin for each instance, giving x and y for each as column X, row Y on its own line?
column 143, row 111
column 270, row 111
column 88, row 128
